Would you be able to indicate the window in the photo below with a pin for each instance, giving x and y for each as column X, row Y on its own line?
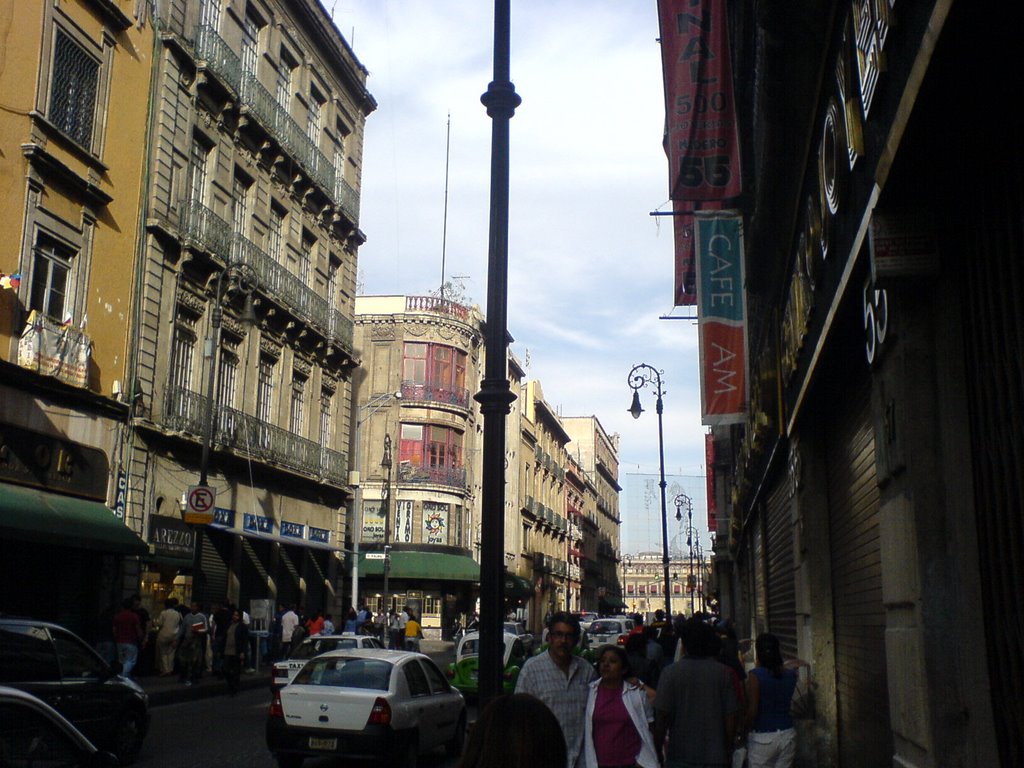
column 339, row 170
column 435, row 372
column 77, row 661
column 228, row 379
column 27, row 656
column 283, row 85
column 197, row 170
column 306, row 259
column 316, row 103
column 326, row 398
column 240, row 188
column 73, row 89
column 298, row 406
column 274, row 239
column 209, row 14
column 250, row 42
column 182, row 358
column 51, row 273
column 440, row 446
column 265, row 388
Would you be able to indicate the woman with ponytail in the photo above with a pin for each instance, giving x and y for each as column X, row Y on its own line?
column 771, row 738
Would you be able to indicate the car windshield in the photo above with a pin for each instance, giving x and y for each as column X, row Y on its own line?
column 605, row 627
column 370, row 674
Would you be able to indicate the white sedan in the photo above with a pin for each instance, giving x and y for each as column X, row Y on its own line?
column 366, row 703
column 614, row 631
column 285, row 671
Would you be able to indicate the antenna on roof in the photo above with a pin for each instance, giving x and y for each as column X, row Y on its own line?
column 444, row 225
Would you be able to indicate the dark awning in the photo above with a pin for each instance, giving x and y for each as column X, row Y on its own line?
column 613, row 603
column 423, row 565
column 516, row 587
column 29, row 514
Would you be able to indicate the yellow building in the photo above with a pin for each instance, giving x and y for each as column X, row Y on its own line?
column 73, row 113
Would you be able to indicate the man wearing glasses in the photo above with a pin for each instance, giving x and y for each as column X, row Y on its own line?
column 561, row 681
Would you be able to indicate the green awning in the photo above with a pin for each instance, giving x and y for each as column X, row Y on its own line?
column 516, row 587
column 612, row 604
column 28, row 514
column 423, row 565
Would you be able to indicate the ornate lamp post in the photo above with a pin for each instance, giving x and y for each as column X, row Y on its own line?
column 243, row 278
column 640, row 376
column 385, row 502
column 627, row 562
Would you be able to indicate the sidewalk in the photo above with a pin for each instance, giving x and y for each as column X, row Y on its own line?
column 167, row 690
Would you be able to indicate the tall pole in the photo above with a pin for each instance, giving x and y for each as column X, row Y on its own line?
column 689, row 540
column 640, row 376
column 385, row 502
column 495, row 396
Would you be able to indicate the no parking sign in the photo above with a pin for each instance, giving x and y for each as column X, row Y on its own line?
column 199, row 505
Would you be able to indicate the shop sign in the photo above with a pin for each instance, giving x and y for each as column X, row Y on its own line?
column 257, row 524
column 120, row 500
column 403, row 521
column 373, row 521
column 52, row 464
column 435, row 523
column 224, row 517
column 319, row 535
column 293, row 530
column 171, row 537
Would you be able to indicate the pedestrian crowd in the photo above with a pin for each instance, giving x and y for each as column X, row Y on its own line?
column 675, row 694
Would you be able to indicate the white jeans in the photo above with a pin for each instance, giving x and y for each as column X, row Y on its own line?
column 771, row 750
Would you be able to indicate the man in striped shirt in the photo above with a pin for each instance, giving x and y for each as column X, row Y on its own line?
column 561, row 681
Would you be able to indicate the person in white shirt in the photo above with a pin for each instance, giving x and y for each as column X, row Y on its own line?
column 289, row 621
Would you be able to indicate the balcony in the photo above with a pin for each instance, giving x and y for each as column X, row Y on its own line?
column 437, row 306
column 202, row 228
column 450, row 476
column 184, row 411
column 212, row 49
column 288, row 133
column 428, row 393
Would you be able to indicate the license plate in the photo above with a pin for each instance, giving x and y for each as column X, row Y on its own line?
column 315, row 743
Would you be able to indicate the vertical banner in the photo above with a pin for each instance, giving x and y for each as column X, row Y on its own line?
column 709, row 475
column 403, row 522
column 701, row 136
column 435, row 523
column 718, row 238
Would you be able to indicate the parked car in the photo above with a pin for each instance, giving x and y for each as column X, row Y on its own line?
column 56, row 666
column 366, row 703
column 615, row 631
column 586, row 618
column 465, row 670
column 34, row 733
column 518, row 629
column 285, row 671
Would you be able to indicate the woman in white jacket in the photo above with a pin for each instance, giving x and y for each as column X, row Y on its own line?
column 617, row 732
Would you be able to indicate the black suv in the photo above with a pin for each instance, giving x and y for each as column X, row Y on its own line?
column 58, row 667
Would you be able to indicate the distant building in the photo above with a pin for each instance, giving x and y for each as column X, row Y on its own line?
column 422, row 512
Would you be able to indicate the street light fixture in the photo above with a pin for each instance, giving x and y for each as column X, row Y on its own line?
column 640, row 376
column 385, row 502
column 242, row 278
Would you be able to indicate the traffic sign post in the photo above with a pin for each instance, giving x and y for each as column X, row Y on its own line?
column 199, row 505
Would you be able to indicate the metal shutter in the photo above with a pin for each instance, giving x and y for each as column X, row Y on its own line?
column 781, row 586
column 288, row 583
column 254, row 581
column 214, row 559
column 865, row 737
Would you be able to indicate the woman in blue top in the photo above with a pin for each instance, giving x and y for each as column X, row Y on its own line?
column 771, row 739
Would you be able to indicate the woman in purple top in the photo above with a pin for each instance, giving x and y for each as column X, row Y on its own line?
column 771, row 739
column 617, row 732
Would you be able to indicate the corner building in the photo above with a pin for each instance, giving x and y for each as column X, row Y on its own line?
column 420, row 362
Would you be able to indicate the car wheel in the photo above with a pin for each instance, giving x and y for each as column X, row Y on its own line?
column 128, row 738
column 288, row 761
column 454, row 747
column 407, row 752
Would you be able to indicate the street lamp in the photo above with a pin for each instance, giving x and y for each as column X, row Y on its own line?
column 242, row 278
column 367, row 410
column 639, row 377
column 627, row 562
column 385, row 502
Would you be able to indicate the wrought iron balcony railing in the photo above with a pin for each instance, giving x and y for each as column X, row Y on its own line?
column 184, row 411
column 451, row 476
column 214, row 50
column 202, row 227
column 412, row 390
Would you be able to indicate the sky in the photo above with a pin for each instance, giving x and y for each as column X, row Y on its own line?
column 590, row 270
